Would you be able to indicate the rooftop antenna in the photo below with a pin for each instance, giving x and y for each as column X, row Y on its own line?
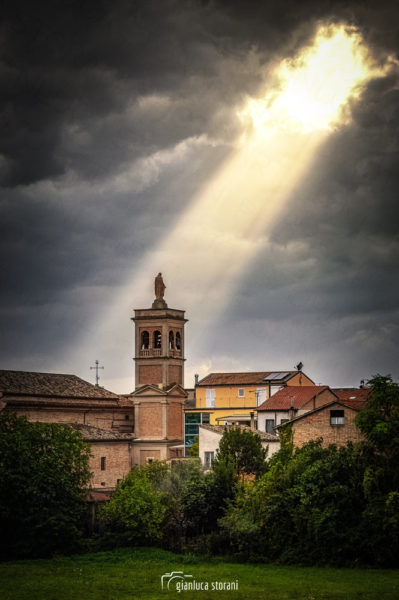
column 299, row 366
column 97, row 367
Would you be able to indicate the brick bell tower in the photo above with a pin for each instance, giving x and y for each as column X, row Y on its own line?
column 159, row 368
column 159, row 342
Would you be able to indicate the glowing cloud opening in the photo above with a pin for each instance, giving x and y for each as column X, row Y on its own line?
column 228, row 224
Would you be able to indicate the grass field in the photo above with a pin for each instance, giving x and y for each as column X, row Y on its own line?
column 136, row 573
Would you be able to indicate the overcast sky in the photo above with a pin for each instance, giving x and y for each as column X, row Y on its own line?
column 115, row 118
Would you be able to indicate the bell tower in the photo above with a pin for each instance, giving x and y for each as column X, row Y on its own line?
column 159, row 342
column 159, row 394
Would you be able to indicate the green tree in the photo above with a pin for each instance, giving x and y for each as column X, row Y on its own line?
column 379, row 420
column 44, row 474
column 306, row 509
column 379, row 423
column 194, row 450
column 138, row 509
column 244, row 450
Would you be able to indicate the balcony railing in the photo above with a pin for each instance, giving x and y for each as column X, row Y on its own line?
column 172, row 352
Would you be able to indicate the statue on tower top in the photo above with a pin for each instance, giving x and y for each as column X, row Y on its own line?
column 160, row 287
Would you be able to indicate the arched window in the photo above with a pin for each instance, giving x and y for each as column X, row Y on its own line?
column 157, row 343
column 145, row 340
column 171, row 340
column 178, row 341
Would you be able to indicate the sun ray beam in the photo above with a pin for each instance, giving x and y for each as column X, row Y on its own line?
column 207, row 250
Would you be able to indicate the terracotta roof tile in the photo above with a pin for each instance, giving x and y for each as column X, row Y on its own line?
column 356, row 397
column 51, row 385
column 90, row 433
column 264, row 436
column 301, row 394
column 246, row 378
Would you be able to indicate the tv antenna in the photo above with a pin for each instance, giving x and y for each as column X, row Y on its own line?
column 97, row 367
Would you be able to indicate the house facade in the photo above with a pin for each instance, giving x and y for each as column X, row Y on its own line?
column 334, row 423
column 210, row 436
column 229, row 398
column 290, row 402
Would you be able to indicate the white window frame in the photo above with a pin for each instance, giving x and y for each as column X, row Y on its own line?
column 210, row 398
column 209, row 457
column 274, row 424
column 241, row 392
column 337, row 420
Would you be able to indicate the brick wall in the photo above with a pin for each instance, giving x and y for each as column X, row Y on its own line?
column 150, row 374
column 318, row 425
column 152, row 453
column 55, row 415
column 151, row 419
column 175, row 374
column 175, row 420
column 117, row 463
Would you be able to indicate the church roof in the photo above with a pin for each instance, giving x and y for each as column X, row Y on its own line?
column 93, row 434
column 25, row 383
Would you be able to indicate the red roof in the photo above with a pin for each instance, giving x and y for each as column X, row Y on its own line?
column 300, row 394
column 356, row 397
column 247, row 378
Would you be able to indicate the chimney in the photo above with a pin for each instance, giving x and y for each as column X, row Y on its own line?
column 291, row 412
column 196, row 377
column 252, row 415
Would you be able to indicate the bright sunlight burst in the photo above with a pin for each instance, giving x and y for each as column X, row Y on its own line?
column 315, row 86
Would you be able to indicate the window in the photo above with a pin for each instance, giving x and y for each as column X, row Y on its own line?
column 171, row 340
column 337, row 417
column 192, row 418
column 283, row 421
column 210, row 398
column 103, row 463
column 145, row 340
column 205, row 418
column 241, row 392
column 157, row 339
column 178, row 341
column 269, row 425
column 191, row 428
column 126, row 417
column 209, row 456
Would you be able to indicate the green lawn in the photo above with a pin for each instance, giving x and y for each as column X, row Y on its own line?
column 136, row 573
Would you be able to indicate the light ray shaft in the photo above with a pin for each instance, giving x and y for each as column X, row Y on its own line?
column 228, row 224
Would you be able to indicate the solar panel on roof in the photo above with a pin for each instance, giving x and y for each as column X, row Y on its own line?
column 276, row 376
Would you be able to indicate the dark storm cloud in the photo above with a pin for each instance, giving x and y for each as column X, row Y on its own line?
column 114, row 114
column 70, row 66
column 333, row 257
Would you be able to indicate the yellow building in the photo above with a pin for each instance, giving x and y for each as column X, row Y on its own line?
column 227, row 398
